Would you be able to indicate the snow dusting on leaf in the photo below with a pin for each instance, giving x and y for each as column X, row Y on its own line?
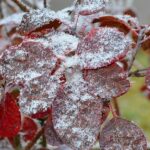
column 122, row 134
column 107, row 82
column 36, row 19
column 88, row 7
column 76, row 123
column 102, row 47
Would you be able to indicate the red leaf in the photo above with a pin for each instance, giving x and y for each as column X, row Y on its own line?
column 88, row 7
column 30, row 65
column 29, row 128
column 107, row 82
column 102, row 47
column 123, row 23
column 38, row 20
column 10, row 118
column 76, row 122
column 122, row 134
column 51, row 135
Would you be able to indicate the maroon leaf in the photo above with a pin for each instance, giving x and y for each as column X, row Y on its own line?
column 38, row 20
column 10, row 118
column 145, row 43
column 122, row 134
column 29, row 128
column 76, row 122
column 88, row 7
column 30, row 65
column 102, row 47
column 107, row 82
column 51, row 135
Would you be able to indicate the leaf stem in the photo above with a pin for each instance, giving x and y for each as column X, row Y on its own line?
column 113, row 111
column 116, row 106
column 139, row 73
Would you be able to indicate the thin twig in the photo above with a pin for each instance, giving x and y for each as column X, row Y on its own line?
column 45, row 3
column 21, row 5
column 38, row 135
column 139, row 73
column 113, row 111
column 1, row 11
column 116, row 106
column 135, row 50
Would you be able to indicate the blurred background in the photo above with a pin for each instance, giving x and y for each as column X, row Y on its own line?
column 134, row 105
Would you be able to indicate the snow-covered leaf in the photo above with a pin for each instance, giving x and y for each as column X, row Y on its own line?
column 88, row 7
column 39, row 19
column 76, row 122
column 107, row 82
column 102, row 47
column 122, row 134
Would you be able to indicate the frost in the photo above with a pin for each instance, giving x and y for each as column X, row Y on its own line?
column 102, row 46
column 77, row 123
column 107, row 82
column 86, row 7
column 119, row 133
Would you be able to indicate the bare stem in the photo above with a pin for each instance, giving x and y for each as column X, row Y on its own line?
column 1, row 11
column 21, row 5
column 116, row 106
column 113, row 111
column 45, row 3
column 38, row 135
column 139, row 73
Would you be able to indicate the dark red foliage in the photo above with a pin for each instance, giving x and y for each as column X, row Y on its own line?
column 102, row 47
column 77, row 123
column 10, row 118
column 107, row 82
column 29, row 128
column 119, row 133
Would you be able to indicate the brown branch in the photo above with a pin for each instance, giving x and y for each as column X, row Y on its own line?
column 139, row 73
column 21, row 5
column 116, row 106
column 45, row 3
column 135, row 50
column 38, row 135
column 1, row 11
column 115, row 115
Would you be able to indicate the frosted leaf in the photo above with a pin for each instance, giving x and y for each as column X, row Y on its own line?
column 121, row 22
column 102, row 47
column 37, row 19
column 107, row 82
column 77, row 123
column 88, row 7
column 121, row 134
column 26, row 62
column 62, row 43
column 51, row 136
column 63, row 147
column 75, row 86
column 145, row 43
column 38, row 94
column 30, row 65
